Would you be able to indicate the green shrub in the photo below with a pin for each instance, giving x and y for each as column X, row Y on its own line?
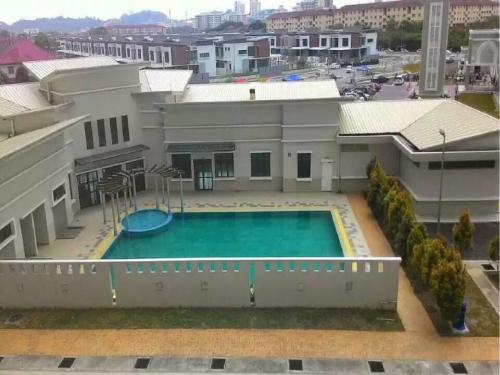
column 462, row 233
column 404, row 230
column 493, row 251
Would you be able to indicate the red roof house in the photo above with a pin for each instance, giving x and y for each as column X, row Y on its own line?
column 20, row 51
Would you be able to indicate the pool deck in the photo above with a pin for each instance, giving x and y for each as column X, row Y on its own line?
column 419, row 341
column 95, row 237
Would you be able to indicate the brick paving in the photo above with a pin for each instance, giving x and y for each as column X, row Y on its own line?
column 419, row 342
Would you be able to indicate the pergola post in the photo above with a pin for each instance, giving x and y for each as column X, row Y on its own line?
column 162, row 190
column 103, row 204
column 135, row 192
column 129, row 180
column 182, row 193
column 118, row 207
column 156, row 191
column 113, row 212
column 125, row 196
column 168, row 194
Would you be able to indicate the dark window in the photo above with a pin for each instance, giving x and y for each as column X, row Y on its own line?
column 303, row 165
column 126, row 134
column 335, row 42
column 242, row 52
column 370, row 40
column 140, row 181
column 182, row 162
column 166, row 57
column 89, row 138
column 58, row 192
column 272, row 42
column 466, row 164
column 10, row 69
column 151, row 56
column 304, row 42
column 260, row 164
column 114, row 130
column 70, row 184
column 224, row 165
column 297, row 42
column 323, row 42
column 87, row 189
column 101, row 132
column 345, row 42
column 204, row 55
column 139, row 54
column 6, row 232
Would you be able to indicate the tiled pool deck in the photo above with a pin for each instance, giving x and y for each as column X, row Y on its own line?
column 96, row 236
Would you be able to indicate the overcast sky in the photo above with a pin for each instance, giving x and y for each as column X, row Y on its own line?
column 104, row 9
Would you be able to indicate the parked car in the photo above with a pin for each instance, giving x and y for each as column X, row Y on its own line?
column 398, row 81
column 450, row 60
column 348, row 69
column 380, row 79
column 335, row 66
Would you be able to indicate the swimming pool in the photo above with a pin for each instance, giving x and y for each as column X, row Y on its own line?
column 236, row 234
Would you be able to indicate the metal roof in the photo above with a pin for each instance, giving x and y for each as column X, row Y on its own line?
column 238, row 92
column 42, row 69
column 109, row 158
column 21, row 97
column 419, row 121
column 159, row 80
column 19, row 142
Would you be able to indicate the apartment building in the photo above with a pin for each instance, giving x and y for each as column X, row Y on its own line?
column 377, row 14
column 88, row 117
column 137, row 29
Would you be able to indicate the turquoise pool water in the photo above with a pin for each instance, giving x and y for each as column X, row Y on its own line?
column 236, row 234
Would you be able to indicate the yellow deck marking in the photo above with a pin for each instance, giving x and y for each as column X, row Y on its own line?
column 344, row 240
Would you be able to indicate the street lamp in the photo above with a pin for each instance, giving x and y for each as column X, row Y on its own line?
column 443, row 134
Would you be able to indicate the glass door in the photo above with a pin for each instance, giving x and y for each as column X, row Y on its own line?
column 203, row 178
column 87, row 189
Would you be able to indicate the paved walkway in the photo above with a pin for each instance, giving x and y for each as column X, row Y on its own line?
column 418, row 342
column 487, row 288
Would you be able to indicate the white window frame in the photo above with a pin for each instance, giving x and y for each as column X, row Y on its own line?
column 54, row 203
column 263, row 178
column 12, row 237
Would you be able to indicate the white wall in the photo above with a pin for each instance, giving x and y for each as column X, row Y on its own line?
column 207, row 64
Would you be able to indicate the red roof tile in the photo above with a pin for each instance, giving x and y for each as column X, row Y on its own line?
column 24, row 50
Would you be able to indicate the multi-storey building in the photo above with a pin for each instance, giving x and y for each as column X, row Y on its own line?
column 378, row 14
column 254, row 7
column 136, row 29
column 207, row 21
column 313, row 4
column 239, row 7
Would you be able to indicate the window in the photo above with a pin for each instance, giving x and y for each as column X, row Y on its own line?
column 114, row 130
column 242, row 52
column 58, row 193
column 323, row 42
column 304, row 42
column 303, row 165
column 139, row 54
column 345, row 42
column 101, row 132
column 370, row 40
column 272, row 42
column 182, row 162
column 126, row 134
column 204, row 55
column 260, row 164
column 224, row 165
column 151, row 56
column 166, row 57
column 70, row 184
column 335, row 42
column 465, row 164
column 89, row 138
column 128, row 52
column 354, row 147
column 6, row 232
column 10, row 69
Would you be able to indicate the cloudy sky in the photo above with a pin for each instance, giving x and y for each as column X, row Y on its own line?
column 104, row 9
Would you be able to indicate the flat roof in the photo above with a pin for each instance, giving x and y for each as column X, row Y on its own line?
column 419, row 121
column 264, row 91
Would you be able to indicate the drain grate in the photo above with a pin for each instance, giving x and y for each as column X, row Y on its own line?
column 295, row 365
column 458, row 368
column 218, row 364
column 142, row 363
column 376, row 366
column 66, row 362
column 488, row 267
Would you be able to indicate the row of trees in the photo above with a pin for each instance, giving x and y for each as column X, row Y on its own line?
column 432, row 261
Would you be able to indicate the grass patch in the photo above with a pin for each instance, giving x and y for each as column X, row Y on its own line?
column 481, row 102
column 493, row 276
column 412, row 68
column 292, row 318
column 481, row 318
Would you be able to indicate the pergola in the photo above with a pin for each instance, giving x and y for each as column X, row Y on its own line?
column 124, row 181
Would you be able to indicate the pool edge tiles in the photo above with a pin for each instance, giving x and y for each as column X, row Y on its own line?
column 317, row 236
column 343, row 238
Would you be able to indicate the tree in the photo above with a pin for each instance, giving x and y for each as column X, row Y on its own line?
column 42, row 41
column 3, row 78
column 257, row 25
column 462, row 233
column 493, row 250
column 405, row 228
column 447, row 283
column 417, row 235
column 426, row 256
column 22, row 75
column 377, row 182
column 401, row 202
column 370, row 166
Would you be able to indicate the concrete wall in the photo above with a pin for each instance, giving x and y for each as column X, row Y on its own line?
column 325, row 282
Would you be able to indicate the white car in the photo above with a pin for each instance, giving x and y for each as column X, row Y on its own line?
column 348, row 69
column 398, row 81
column 335, row 66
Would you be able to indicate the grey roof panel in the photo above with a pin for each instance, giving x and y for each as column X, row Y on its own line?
column 201, row 147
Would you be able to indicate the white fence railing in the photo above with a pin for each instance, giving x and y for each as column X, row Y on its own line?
column 207, row 282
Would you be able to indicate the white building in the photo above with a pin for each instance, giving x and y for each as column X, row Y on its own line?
column 87, row 117
column 254, row 7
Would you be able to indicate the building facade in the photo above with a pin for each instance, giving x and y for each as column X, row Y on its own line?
column 378, row 14
column 137, row 29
